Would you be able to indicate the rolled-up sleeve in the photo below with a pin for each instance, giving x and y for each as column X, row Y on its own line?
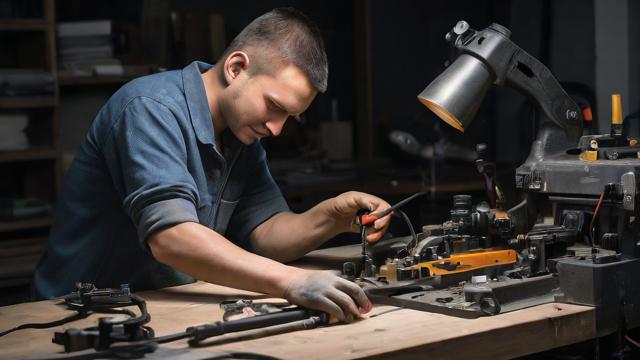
column 259, row 202
column 147, row 159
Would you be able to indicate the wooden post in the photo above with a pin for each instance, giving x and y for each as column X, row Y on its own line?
column 364, row 112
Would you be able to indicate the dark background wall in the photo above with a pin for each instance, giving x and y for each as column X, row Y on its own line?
column 407, row 50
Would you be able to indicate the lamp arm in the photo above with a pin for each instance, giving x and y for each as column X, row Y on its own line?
column 529, row 76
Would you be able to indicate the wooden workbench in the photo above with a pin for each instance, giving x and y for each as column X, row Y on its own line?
column 404, row 333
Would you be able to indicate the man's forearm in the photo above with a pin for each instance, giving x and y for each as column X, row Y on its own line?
column 206, row 255
column 288, row 236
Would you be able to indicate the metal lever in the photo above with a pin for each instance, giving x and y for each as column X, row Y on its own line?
column 488, row 171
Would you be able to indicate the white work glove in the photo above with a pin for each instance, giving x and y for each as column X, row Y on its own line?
column 324, row 291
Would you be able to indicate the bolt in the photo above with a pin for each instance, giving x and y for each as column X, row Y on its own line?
column 461, row 27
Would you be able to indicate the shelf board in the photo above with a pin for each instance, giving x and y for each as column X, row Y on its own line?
column 12, row 248
column 25, row 224
column 24, row 102
column 93, row 80
column 18, row 260
column 23, row 24
column 17, row 268
column 13, row 282
column 36, row 153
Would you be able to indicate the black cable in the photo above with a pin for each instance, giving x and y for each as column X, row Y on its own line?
column 407, row 200
column 171, row 337
column 127, row 351
column 139, row 350
column 83, row 312
column 519, row 206
column 242, row 355
column 414, row 237
column 70, row 318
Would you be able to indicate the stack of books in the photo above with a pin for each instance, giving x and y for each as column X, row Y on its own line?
column 85, row 49
column 25, row 82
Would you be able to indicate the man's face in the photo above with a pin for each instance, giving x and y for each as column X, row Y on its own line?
column 254, row 106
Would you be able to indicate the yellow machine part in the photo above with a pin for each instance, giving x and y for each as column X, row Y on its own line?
column 616, row 109
column 459, row 263
column 588, row 155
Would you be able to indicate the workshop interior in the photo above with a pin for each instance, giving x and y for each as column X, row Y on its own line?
column 504, row 134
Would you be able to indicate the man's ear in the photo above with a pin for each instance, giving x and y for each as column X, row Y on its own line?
column 234, row 64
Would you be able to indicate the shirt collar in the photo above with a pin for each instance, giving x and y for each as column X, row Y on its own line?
column 198, row 105
column 197, row 101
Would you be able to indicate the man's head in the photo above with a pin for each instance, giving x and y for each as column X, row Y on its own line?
column 272, row 70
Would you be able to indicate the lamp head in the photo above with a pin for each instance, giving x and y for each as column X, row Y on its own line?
column 456, row 94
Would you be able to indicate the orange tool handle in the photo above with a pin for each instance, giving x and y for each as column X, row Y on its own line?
column 367, row 219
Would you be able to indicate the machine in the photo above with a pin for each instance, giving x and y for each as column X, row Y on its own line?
column 573, row 238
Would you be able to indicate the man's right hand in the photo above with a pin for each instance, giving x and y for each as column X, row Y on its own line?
column 322, row 290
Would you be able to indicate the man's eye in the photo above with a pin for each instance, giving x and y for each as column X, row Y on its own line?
column 274, row 107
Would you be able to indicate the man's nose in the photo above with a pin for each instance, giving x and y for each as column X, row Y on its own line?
column 275, row 126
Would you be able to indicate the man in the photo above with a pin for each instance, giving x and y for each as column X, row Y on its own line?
column 172, row 183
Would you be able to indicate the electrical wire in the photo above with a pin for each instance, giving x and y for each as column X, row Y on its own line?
column 119, row 351
column 136, row 351
column 414, row 238
column 171, row 337
column 631, row 341
column 593, row 219
column 73, row 317
column 242, row 355
column 126, row 349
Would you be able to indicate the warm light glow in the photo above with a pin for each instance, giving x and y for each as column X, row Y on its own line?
column 442, row 114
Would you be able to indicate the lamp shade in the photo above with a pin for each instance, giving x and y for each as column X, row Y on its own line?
column 456, row 94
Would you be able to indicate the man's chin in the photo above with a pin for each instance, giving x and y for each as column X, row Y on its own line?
column 246, row 136
column 248, row 139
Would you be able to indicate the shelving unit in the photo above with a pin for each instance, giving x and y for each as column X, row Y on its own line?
column 93, row 80
column 28, row 42
column 17, row 225
column 24, row 24
column 29, row 102
column 33, row 153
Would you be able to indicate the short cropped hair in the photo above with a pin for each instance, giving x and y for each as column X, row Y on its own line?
column 289, row 35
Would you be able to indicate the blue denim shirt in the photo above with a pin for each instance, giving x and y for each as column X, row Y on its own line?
column 148, row 162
